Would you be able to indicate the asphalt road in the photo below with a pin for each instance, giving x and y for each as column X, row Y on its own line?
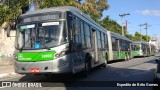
column 116, row 74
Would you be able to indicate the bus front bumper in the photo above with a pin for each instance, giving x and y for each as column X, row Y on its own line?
column 43, row 67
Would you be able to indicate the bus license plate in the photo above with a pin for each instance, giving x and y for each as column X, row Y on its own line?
column 34, row 70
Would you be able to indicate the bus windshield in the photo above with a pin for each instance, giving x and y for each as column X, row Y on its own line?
column 41, row 35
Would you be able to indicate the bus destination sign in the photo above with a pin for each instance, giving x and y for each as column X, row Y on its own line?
column 41, row 18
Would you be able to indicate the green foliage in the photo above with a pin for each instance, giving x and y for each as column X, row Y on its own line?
column 4, row 9
column 111, row 25
column 130, row 36
column 56, row 3
column 88, row 7
column 11, row 9
column 137, row 37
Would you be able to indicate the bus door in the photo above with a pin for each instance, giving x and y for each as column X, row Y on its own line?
column 95, row 45
column 118, row 48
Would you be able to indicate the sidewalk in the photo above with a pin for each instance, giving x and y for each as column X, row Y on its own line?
column 6, row 71
column 7, row 68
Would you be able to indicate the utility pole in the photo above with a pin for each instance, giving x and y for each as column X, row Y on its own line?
column 126, row 27
column 122, row 19
column 140, row 31
column 146, row 24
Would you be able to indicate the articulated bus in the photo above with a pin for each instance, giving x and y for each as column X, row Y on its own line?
column 143, row 49
column 119, row 47
column 64, row 40
column 139, row 48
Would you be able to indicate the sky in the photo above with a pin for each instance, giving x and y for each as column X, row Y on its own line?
column 141, row 11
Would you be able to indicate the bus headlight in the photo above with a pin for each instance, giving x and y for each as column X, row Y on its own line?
column 57, row 55
column 62, row 53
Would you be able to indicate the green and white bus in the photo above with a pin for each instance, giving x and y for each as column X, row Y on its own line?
column 139, row 48
column 143, row 49
column 119, row 47
column 64, row 40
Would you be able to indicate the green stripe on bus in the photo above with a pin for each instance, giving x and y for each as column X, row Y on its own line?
column 35, row 56
column 134, row 53
column 123, row 55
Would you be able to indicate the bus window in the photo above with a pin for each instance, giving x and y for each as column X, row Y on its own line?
column 114, row 44
column 82, row 34
column 106, row 41
column 102, row 39
column 99, row 39
column 77, row 34
column 87, row 35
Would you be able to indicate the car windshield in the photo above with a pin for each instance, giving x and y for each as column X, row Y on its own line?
column 41, row 35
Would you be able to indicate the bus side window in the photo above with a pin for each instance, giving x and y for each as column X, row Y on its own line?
column 76, row 34
column 99, row 39
column 82, row 33
column 114, row 46
column 106, row 41
column 87, row 35
column 102, row 39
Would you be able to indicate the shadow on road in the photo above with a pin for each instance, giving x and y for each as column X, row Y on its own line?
column 98, row 77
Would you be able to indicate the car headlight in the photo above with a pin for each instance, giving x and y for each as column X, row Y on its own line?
column 158, row 75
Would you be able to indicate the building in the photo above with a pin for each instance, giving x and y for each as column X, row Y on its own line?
column 155, row 41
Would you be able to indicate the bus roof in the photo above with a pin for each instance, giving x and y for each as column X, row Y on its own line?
column 120, row 36
column 139, row 42
column 72, row 9
column 77, row 12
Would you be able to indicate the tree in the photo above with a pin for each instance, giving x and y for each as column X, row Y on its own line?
column 130, row 36
column 11, row 9
column 111, row 25
column 137, row 36
column 144, row 38
column 88, row 7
